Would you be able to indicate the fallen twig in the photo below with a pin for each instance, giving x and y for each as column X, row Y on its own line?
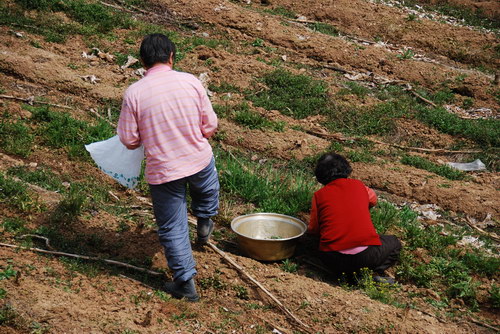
column 92, row 110
column 47, row 241
column 84, row 257
column 428, row 150
column 138, row 282
column 254, row 281
column 409, row 89
column 31, row 100
column 471, row 224
column 477, row 322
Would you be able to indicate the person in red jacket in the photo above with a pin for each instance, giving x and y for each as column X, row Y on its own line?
column 340, row 215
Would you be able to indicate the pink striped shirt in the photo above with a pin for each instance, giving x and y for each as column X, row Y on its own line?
column 170, row 114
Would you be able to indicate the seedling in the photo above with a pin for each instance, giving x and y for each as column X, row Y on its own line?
column 407, row 54
column 289, row 266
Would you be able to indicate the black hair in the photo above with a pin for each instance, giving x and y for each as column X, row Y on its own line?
column 156, row 48
column 332, row 166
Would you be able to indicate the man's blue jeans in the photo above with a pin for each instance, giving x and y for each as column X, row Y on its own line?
column 170, row 208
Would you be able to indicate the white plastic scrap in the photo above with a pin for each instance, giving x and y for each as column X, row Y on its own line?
column 470, row 240
column 130, row 61
column 205, row 79
column 475, row 165
column 90, row 78
column 427, row 210
column 88, row 55
column 140, row 72
column 275, row 331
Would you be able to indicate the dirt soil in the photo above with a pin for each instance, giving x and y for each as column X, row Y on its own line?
column 51, row 295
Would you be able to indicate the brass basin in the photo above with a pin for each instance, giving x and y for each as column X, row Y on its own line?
column 268, row 236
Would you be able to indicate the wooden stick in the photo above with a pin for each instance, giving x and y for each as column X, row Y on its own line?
column 85, row 257
column 477, row 322
column 32, row 100
column 422, row 98
column 47, row 241
column 254, row 281
column 471, row 224
column 92, row 110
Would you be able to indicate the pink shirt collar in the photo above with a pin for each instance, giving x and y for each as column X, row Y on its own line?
column 158, row 68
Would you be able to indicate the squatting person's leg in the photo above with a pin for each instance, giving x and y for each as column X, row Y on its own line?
column 169, row 203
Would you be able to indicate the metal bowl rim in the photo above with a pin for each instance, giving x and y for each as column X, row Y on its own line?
column 270, row 214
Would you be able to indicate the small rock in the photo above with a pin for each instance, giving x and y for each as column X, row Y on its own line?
column 66, row 184
column 33, row 164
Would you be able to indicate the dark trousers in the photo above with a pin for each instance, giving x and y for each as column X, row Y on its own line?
column 376, row 258
column 170, row 208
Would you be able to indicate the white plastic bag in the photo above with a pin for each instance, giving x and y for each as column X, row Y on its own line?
column 116, row 160
column 476, row 165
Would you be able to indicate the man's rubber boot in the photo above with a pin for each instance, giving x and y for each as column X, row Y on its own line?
column 205, row 227
column 181, row 290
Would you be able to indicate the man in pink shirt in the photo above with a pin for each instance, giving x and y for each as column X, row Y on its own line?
column 169, row 113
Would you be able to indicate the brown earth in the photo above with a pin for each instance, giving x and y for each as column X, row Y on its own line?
column 54, row 296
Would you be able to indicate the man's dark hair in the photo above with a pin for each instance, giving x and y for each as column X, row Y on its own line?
column 331, row 166
column 156, row 48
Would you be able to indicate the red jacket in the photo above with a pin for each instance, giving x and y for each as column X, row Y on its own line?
column 340, row 215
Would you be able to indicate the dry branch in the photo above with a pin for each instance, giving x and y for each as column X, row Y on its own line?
column 254, row 281
column 492, row 236
column 31, row 100
column 84, row 257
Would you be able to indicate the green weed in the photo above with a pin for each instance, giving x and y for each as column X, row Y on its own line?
column 442, row 170
column 270, row 189
column 214, row 282
column 407, row 54
column 482, row 131
column 60, row 130
column 354, row 88
column 14, row 225
column 70, row 207
column 253, row 120
column 494, row 297
column 361, row 156
column 382, row 292
column 294, row 95
column 15, row 193
column 7, row 273
column 377, row 120
column 42, row 176
column 289, row 266
column 241, row 292
column 324, row 28
column 15, row 137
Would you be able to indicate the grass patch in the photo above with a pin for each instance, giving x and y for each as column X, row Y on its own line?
column 70, row 207
column 324, row 28
column 14, row 225
column 354, row 88
column 475, row 18
column 224, row 87
column 16, row 194
column 447, row 269
column 42, row 177
column 270, row 189
column 377, row 120
column 441, row 170
column 60, row 130
column 93, row 16
column 294, row 95
column 242, row 114
column 15, row 137
column 482, row 131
